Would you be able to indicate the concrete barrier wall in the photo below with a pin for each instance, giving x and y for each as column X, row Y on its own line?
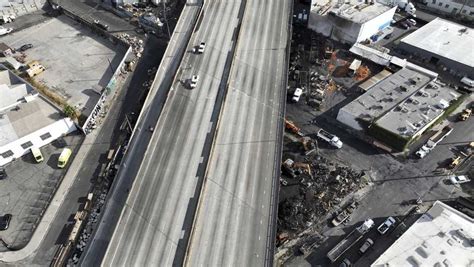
column 90, row 122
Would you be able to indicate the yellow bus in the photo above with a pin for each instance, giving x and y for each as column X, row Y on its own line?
column 64, row 157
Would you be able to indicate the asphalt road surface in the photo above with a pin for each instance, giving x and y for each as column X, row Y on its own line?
column 233, row 226
column 151, row 223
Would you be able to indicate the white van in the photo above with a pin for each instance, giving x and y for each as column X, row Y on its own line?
column 37, row 154
column 467, row 81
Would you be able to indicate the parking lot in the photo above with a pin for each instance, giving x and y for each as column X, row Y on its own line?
column 78, row 62
column 28, row 189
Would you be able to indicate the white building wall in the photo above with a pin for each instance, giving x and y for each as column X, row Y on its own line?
column 346, row 31
column 451, row 8
column 376, row 24
column 56, row 130
column 348, row 119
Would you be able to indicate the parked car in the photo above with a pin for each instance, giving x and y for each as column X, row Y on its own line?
column 5, row 221
column 460, row 179
column 411, row 22
column 345, row 263
column 383, row 228
column 405, row 25
column 3, row 174
column 101, row 25
column 367, row 244
column 297, row 95
column 25, row 47
column 5, row 31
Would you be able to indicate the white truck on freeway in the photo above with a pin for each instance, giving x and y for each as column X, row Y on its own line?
column 330, row 138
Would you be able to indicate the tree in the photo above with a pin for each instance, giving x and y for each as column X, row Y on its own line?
column 70, row 112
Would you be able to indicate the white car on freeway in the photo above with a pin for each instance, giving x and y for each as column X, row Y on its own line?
column 194, row 81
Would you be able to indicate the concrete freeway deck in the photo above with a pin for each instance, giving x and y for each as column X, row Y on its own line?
column 150, row 226
column 233, row 226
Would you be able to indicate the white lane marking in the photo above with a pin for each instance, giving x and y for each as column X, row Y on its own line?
column 210, row 127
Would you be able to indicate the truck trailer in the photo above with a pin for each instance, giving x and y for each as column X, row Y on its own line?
column 350, row 240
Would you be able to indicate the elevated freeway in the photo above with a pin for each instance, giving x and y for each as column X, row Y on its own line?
column 150, row 211
column 234, row 225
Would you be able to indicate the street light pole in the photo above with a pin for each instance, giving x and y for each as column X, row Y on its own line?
column 166, row 20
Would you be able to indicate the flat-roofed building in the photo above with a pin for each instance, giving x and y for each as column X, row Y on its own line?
column 443, row 43
column 442, row 236
column 26, row 119
column 404, row 104
column 349, row 21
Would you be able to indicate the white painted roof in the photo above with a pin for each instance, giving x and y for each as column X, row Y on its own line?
column 445, row 38
column 439, row 238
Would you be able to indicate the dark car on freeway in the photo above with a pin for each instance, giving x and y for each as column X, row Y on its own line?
column 5, row 221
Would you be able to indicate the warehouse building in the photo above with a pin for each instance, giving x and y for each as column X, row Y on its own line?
column 459, row 9
column 396, row 108
column 349, row 21
column 443, row 43
column 443, row 236
column 26, row 119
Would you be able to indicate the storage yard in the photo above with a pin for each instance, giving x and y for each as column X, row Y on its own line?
column 326, row 191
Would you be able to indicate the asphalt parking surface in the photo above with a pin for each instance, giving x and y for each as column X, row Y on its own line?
column 78, row 62
column 28, row 189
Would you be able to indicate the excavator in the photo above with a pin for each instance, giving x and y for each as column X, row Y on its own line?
column 291, row 127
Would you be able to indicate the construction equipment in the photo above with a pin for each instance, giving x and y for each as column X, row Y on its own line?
column 34, row 68
column 288, row 167
column 344, row 214
column 454, row 162
column 465, row 114
column 291, row 127
column 303, row 167
column 350, row 240
column 308, row 144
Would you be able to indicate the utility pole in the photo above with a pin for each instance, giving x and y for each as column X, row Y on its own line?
column 166, row 20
